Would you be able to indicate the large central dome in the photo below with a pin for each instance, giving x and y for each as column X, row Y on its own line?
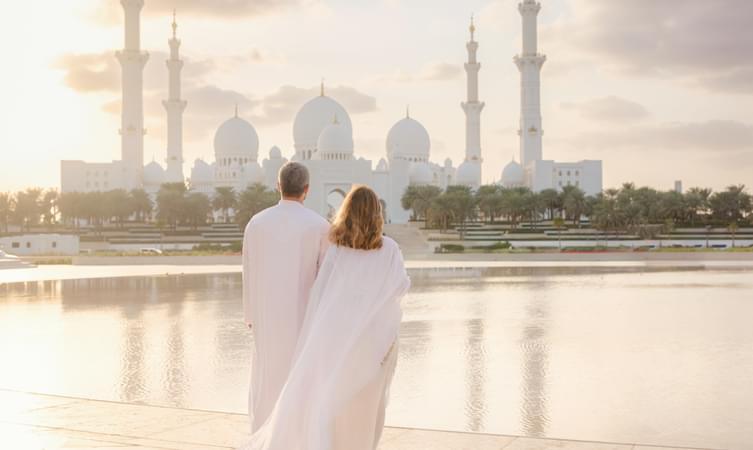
column 316, row 115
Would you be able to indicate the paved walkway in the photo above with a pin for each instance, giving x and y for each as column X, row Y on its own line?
column 47, row 422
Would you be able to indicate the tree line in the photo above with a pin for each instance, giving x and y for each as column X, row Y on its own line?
column 625, row 208
column 173, row 205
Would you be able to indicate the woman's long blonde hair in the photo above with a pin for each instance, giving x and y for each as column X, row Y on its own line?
column 359, row 221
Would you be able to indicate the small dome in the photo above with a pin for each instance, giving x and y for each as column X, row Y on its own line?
column 275, row 153
column 313, row 117
column 409, row 140
column 154, row 174
column 420, row 173
column 513, row 174
column 201, row 172
column 382, row 166
column 469, row 174
column 236, row 138
column 252, row 173
column 336, row 139
column 448, row 163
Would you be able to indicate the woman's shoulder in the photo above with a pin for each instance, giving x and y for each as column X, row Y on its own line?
column 389, row 243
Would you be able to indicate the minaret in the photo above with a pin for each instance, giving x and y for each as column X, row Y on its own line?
column 472, row 108
column 174, row 107
column 132, row 61
column 529, row 63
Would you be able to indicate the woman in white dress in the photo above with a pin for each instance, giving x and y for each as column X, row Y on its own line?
column 335, row 395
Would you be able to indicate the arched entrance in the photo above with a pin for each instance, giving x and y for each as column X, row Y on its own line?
column 335, row 198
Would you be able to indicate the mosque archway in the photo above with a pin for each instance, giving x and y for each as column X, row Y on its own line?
column 335, row 198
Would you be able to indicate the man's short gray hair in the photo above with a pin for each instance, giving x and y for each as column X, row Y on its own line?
column 293, row 179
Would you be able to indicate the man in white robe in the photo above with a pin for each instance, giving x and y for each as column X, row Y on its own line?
column 283, row 247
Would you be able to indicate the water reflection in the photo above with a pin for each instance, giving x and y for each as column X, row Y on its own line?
column 176, row 381
column 540, row 351
column 533, row 344
column 475, row 375
column 132, row 379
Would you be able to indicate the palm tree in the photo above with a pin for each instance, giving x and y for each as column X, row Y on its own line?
column 732, row 204
column 462, row 204
column 607, row 215
column 574, row 202
column 559, row 222
column 672, row 207
column 6, row 210
column 489, row 200
column 48, row 206
column 170, row 203
column 533, row 206
column 552, row 201
column 442, row 212
column 27, row 210
column 198, row 208
column 253, row 200
column 732, row 228
column 141, row 204
column 419, row 199
column 514, row 204
column 697, row 202
column 118, row 204
column 224, row 200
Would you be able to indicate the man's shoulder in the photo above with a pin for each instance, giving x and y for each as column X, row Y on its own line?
column 261, row 216
column 315, row 219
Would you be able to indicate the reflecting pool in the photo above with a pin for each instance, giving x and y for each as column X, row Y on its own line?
column 631, row 354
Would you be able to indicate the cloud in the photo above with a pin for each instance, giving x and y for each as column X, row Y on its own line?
column 440, row 72
column 208, row 106
column 110, row 12
column 100, row 72
column 90, row 72
column 430, row 72
column 701, row 41
column 281, row 105
column 609, row 109
column 253, row 56
column 714, row 136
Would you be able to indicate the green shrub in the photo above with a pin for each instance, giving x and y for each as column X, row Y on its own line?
column 234, row 247
column 450, row 248
column 502, row 245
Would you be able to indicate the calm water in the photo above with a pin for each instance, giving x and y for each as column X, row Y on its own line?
column 625, row 354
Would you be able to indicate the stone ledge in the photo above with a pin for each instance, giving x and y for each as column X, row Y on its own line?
column 30, row 421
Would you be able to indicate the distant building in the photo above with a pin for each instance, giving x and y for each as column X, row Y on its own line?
column 678, row 186
column 533, row 171
column 40, row 244
column 323, row 140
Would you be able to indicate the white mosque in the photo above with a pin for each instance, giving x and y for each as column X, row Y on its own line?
column 323, row 141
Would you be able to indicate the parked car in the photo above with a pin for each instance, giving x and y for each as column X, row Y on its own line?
column 151, row 251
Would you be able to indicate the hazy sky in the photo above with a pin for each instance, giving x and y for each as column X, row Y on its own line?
column 660, row 90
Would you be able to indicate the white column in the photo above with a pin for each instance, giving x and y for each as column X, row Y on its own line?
column 132, row 61
column 174, row 107
column 529, row 63
column 472, row 107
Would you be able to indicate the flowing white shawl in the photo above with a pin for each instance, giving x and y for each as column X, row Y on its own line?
column 352, row 320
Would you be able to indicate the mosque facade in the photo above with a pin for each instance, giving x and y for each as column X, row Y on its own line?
column 323, row 141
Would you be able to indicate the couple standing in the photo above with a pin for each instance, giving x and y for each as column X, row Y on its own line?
column 323, row 303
